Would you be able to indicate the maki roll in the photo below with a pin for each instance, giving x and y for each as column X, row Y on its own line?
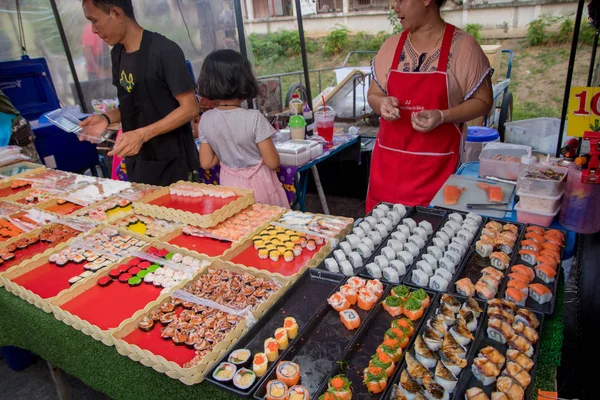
column 444, row 237
column 389, row 253
column 528, row 318
column 540, row 293
column 366, row 299
column 439, row 243
column 298, row 392
column 339, row 386
column 518, row 342
column 393, row 305
column 276, row 390
column 271, row 349
column 465, row 235
column 244, row 378
column 439, row 283
column 455, row 226
column 529, row 256
column 435, row 252
column 239, row 357
column 346, row 268
column 405, row 230
column 350, row 293
column 413, row 309
column 484, row 249
column 346, row 247
column 355, row 259
column 447, row 264
column 146, row 324
column 384, row 362
column 395, row 245
column 339, row 256
column 391, row 275
column 417, row 241
column 452, row 256
column 444, row 273
column 291, row 326
column 433, row 390
column 545, row 272
column 288, row 373
column 375, row 237
column 499, row 330
column 400, row 209
column 332, row 265
column 399, row 236
column 456, row 217
column 339, row 302
column 514, row 294
column 509, row 387
column 282, row 338
column 485, row 371
column 406, row 257
column 375, row 379
column 526, row 331
column 364, row 251
column 422, row 233
column 499, row 260
column 260, row 364
column 421, row 296
column 516, row 356
column 374, row 270
column 419, row 277
column 425, row 267
column 412, row 248
column 395, row 217
column 399, row 266
column 465, row 287
column 350, row 319
column 426, row 226
column 224, row 372
column 409, row 223
column 356, row 282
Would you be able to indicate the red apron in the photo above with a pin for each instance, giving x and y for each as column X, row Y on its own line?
column 409, row 166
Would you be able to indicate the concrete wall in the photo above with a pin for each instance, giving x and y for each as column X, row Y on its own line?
column 500, row 19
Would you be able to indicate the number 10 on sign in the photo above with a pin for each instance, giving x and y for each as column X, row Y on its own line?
column 584, row 110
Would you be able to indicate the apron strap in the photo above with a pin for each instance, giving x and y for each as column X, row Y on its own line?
column 445, row 50
column 398, row 52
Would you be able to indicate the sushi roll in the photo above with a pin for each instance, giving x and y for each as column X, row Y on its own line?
column 435, row 252
column 224, row 372
column 461, row 242
column 288, row 373
column 457, row 248
column 365, row 226
column 434, row 390
column 358, row 231
column 395, row 217
column 381, row 229
column 518, row 342
column 393, row 305
column 546, row 273
column 417, row 241
column 465, row 287
column 372, row 221
column 288, row 256
column 427, row 227
column 455, row 226
column 389, row 253
column 485, row 371
column 378, row 214
column 389, row 225
column 399, row 236
column 499, row 260
column 298, row 392
column 350, row 319
column 421, row 232
column 499, row 330
column 447, row 264
column 420, row 278
column 439, row 243
column 516, row 356
column 376, row 237
column 350, row 293
column 431, row 260
column 382, row 262
column 448, row 231
column 409, row 223
column 375, row 378
column 540, row 293
column 465, row 235
column 339, row 387
column 366, row 299
column 527, row 317
column 454, row 363
column 339, row 256
column 364, row 251
column 395, row 245
column 444, row 377
column 276, row 390
column 469, row 319
column 405, row 230
column 346, row 247
column 444, row 273
column 406, row 257
column 282, row 338
column 374, row 270
column 338, row 301
column 444, row 236
column 374, row 286
column 412, row 248
column 297, row 250
column 311, row 245
column 424, row 354
column 439, row 283
column 391, row 275
column 484, row 249
column 516, row 295
column 475, row 217
column 383, row 207
column 456, row 217
column 244, row 378
column 452, row 256
column 529, row 256
column 400, row 209
column 485, row 291
column 355, row 259
column 399, row 266
column 425, row 267
column 356, row 282
column 271, row 349
column 291, row 326
column 471, row 228
column 526, row 331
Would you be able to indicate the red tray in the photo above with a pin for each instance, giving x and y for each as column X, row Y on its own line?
column 25, row 254
column 64, row 209
column 8, row 191
column 249, row 258
column 106, row 307
column 203, row 245
column 153, row 342
column 203, row 205
column 48, row 280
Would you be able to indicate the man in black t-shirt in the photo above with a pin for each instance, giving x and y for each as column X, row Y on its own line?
column 156, row 97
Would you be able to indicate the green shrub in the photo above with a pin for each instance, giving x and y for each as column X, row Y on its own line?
column 264, row 47
column 394, row 22
column 564, row 31
column 536, row 32
column 363, row 41
column 586, row 33
column 337, row 40
column 474, row 30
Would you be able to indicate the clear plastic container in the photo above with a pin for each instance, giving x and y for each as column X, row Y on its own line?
column 543, row 187
column 498, row 168
column 539, row 133
column 316, row 148
column 537, row 218
column 539, row 203
column 580, row 211
column 293, row 153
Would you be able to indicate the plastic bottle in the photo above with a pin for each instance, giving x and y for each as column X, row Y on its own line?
column 308, row 117
column 297, row 127
column 296, row 105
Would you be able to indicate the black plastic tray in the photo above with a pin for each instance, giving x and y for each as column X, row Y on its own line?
column 547, row 308
column 377, row 249
column 467, row 380
column 316, row 350
column 434, row 216
column 407, row 280
column 470, row 347
column 301, row 301
column 474, row 263
column 365, row 346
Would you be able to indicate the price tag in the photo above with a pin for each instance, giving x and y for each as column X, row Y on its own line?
column 584, row 110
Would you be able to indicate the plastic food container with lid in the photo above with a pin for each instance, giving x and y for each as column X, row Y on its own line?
column 537, row 218
column 539, row 203
column 477, row 138
column 293, row 153
column 543, row 187
column 490, row 166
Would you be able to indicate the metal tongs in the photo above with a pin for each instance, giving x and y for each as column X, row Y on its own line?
column 487, row 206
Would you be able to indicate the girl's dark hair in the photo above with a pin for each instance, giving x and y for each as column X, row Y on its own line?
column 225, row 75
column 125, row 5
column 440, row 3
column 594, row 13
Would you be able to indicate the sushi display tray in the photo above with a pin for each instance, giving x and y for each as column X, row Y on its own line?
column 202, row 245
column 546, row 308
column 434, row 216
column 301, row 301
column 320, row 345
column 203, row 212
column 356, row 359
column 474, row 263
column 21, row 170
column 56, row 207
column 9, row 189
column 468, row 380
column 423, row 326
column 408, row 279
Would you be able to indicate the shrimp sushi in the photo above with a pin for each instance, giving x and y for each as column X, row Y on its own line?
column 499, row 330
column 497, row 275
column 484, row 249
column 485, row 371
column 461, row 333
column 540, row 293
column 516, row 356
column 499, row 260
column 445, row 377
column 350, row 319
column 516, row 295
column 522, row 269
column 528, row 318
column 465, row 287
column 424, row 354
column 485, row 291
column 497, row 226
column 339, row 302
column 545, row 273
column 526, row 331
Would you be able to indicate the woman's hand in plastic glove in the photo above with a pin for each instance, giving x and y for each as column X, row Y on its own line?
column 426, row 121
column 389, row 108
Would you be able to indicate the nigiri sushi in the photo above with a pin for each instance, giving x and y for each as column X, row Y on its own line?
column 516, row 356
column 465, row 287
column 415, row 368
column 438, row 324
column 433, row 340
column 527, row 317
column 513, row 390
column 461, row 333
column 485, row 371
column 453, row 362
column 424, row 354
column 476, row 393
column 520, row 343
column 516, row 372
column 499, row 260
column 484, row 249
column 434, row 390
column 528, row 332
column 528, row 256
column 472, row 305
column 545, row 272
column 516, row 295
column 492, row 354
column 493, row 272
column 499, row 330
column 445, row 377
column 350, row 319
column 540, row 293
column 469, row 319
column 522, row 269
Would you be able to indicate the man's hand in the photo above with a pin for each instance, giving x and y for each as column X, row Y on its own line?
column 426, row 121
column 129, row 143
column 389, row 108
column 93, row 128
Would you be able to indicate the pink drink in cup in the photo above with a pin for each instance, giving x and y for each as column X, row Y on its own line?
column 325, row 119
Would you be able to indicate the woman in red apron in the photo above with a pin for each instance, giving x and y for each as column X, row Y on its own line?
column 428, row 81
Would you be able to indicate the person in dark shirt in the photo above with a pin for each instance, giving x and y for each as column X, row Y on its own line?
column 156, row 96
